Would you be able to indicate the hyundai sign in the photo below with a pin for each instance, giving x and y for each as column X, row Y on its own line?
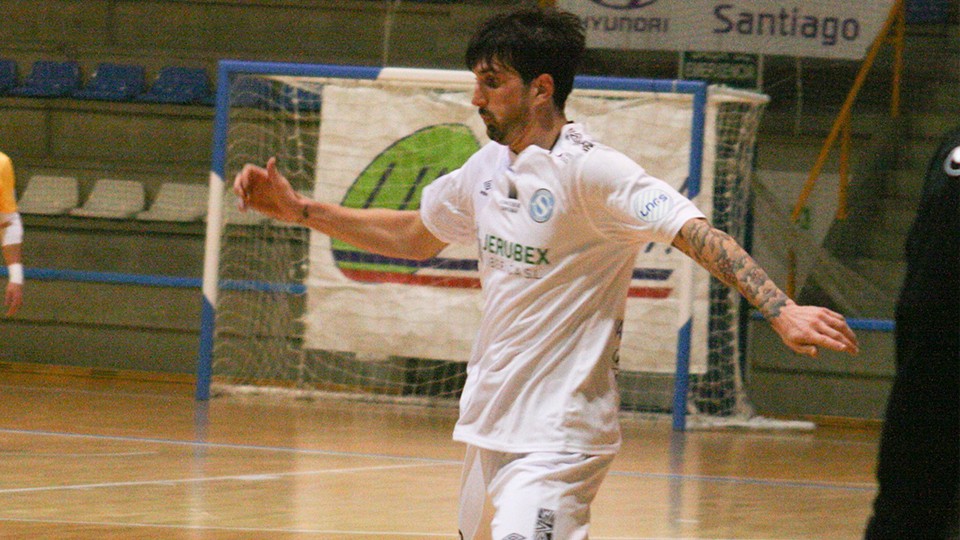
column 809, row 28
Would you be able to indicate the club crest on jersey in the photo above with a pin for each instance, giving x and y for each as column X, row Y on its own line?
column 651, row 205
column 541, row 205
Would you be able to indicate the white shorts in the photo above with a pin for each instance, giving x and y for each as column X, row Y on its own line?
column 537, row 496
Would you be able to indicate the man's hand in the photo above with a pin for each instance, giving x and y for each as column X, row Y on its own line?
column 268, row 192
column 14, row 298
column 804, row 328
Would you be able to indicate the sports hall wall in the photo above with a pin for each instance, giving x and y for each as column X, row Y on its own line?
column 114, row 326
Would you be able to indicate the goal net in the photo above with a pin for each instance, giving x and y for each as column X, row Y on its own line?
column 286, row 308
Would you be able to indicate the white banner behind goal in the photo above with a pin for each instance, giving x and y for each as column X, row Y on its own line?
column 366, row 131
column 287, row 308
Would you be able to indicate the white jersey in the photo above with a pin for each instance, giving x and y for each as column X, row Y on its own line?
column 558, row 233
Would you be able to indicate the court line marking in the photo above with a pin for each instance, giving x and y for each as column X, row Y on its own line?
column 231, row 446
column 23, row 453
column 865, row 487
column 804, row 438
column 85, row 391
column 256, row 477
column 647, row 417
column 778, row 483
column 377, row 534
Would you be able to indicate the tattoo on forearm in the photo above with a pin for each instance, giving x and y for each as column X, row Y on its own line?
column 719, row 253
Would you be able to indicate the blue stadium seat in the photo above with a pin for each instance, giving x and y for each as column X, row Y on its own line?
column 114, row 82
column 256, row 92
column 49, row 78
column 8, row 75
column 182, row 85
column 298, row 99
column 250, row 91
column 928, row 11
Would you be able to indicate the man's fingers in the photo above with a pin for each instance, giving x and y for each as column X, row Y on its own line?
column 838, row 329
column 240, row 190
column 848, row 332
column 806, row 350
column 840, row 344
column 244, row 182
column 832, row 331
column 272, row 171
column 835, row 336
column 807, row 328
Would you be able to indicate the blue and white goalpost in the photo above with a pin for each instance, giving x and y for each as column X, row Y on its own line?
column 287, row 308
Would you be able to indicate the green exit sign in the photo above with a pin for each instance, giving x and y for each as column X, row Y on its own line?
column 738, row 70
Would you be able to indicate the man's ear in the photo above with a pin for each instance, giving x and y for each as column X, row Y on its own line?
column 543, row 86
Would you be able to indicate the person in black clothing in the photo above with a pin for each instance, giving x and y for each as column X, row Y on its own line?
column 917, row 465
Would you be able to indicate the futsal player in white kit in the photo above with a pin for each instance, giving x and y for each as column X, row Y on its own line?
column 558, row 219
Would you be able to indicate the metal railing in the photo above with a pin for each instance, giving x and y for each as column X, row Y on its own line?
column 893, row 33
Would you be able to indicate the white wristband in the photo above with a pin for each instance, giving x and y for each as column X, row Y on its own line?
column 16, row 273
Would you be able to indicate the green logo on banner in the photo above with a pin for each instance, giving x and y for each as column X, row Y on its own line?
column 395, row 179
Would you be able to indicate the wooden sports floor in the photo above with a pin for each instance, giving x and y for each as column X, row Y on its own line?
column 87, row 457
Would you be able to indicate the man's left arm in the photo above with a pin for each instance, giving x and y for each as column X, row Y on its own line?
column 802, row 328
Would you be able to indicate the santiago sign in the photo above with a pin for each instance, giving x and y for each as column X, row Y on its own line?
column 808, row 28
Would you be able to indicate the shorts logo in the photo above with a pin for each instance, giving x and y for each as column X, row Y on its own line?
column 541, row 205
column 514, row 536
column 951, row 165
column 651, row 205
column 544, row 529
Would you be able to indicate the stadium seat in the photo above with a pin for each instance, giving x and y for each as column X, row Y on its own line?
column 181, row 85
column 8, row 75
column 49, row 78
column 256, row 92
column 177, row 202
column 114, row 82
column 49, row 195
column 300, row 100
column 250, row 91
column 117, row 199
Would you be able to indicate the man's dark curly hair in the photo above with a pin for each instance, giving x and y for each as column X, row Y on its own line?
column 533, row 41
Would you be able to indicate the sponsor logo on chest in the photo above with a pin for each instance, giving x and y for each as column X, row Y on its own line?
column 515, row 251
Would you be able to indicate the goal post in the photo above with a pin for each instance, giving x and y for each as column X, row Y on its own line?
column 287, row 308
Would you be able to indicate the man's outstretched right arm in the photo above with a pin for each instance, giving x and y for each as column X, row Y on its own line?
column 393, row 233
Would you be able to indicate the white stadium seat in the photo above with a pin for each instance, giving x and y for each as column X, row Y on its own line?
column 117, row 199
column 49, row 195
column 177, row 202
